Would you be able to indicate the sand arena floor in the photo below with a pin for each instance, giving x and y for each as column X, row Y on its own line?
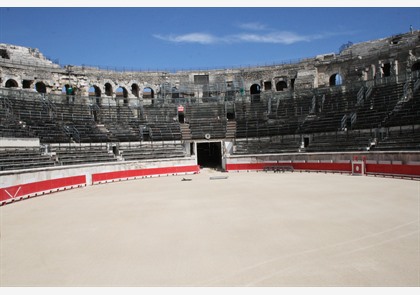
column 251, row 229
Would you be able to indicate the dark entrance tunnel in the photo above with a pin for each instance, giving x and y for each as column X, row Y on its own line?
column 209, row 154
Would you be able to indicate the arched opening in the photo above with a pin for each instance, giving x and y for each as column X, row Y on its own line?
column 175, row 92
column 267, row 85
column 69, row 90
column 281, row 85
column 40, row 87
column 95, row 91
column 415, row 67
column 148, row 93
column 108, row 89
column 336, row 80
column 135, row 90
column 122, row 93
column 27, row 84
column 11, row 84
column 255, row 92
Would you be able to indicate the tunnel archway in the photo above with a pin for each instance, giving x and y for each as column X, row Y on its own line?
column 255, row 91
column 209, row 154
column 40, row 87
column 11, row 84
column 336, row 80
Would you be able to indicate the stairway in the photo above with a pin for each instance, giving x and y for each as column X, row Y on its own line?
column 231, row 129
column 185, row 132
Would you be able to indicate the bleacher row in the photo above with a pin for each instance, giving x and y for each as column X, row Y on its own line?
column 333, row 118
column 58, row 155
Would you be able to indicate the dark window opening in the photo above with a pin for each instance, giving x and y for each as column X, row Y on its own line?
column 209, row 154
column 281, row 85
column 26, row 84
column 415, row 67
column 267, row 85
column 108, row 89
column 292, row 84
column 201, row 79
column 230, row 116
column 175, row 92
column 336, row 80
column 255, row 93
column 11, row 84
column 387, row 69
column 40, row 87
column 181, row 118
column 4, row 54
column 135, row 90
column 396, row 40
column 305, row 142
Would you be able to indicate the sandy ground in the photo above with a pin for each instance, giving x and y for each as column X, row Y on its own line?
column 251, row 229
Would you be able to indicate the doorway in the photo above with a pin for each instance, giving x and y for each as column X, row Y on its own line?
column 209, row 154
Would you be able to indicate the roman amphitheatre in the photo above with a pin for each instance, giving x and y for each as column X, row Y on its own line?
column 290, row 175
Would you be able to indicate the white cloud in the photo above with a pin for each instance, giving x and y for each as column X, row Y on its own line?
column 275, row 37
column 201, row 38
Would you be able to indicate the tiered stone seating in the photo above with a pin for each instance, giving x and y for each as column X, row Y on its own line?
column 408, row 112
column 327, row 115
column 400, row 139
column 23, row 158
column 206, row 119
column 340, row 141
column 267, row 146
column 73, row 155
column 378, row 105
column 152, row 151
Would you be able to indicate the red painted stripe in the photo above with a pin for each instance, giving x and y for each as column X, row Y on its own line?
column 97, row 177
column 345, row 167
column 393, row 169
column 40, row 186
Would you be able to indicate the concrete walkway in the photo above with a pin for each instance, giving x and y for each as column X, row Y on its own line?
column 249, row 229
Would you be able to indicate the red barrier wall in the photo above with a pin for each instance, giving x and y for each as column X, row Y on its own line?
column 30, row 189
column 116, row 175
column 339, row 167
column 393, row 169
column 382, row 169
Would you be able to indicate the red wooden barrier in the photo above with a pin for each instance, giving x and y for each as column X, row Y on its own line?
column 40, row 187
column 121, row 175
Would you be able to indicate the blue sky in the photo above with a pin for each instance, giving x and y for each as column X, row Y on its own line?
column 179, row 38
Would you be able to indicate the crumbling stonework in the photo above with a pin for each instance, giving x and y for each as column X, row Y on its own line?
column 26, row 68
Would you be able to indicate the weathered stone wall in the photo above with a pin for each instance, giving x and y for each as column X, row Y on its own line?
column 26, row 68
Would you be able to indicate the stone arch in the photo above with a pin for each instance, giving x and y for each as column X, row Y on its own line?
column 95, row 92
column 336, row 79
column 122, row 93
column 148, row 93
column 281, row 85
column 415, row 67
column 108, row 89
column 68, row 89
column 40, row 87
column 135, row 90
column 255, row 91
column 11, row 83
